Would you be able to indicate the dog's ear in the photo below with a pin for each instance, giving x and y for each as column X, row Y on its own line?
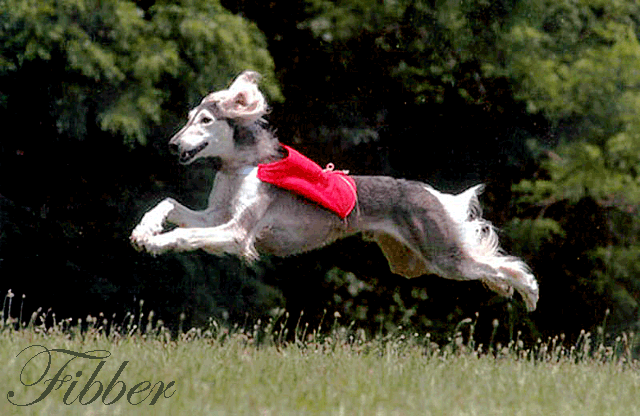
column 243, row 101
column 248, row 76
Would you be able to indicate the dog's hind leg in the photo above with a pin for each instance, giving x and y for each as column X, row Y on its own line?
column 402, row 259
column 482, row 257
column 503, row 273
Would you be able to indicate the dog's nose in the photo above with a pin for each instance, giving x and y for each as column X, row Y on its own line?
column 174, row 148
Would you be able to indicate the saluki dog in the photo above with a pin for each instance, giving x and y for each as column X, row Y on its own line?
column 419, row 229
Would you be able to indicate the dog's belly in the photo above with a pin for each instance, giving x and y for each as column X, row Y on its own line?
column 294, row 225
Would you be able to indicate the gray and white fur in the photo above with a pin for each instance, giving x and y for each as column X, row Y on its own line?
column 419, row 229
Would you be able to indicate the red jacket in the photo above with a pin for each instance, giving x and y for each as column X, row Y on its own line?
column 331, row 189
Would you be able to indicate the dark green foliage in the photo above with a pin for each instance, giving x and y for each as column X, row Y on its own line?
column 576, row 62
column 117, row 64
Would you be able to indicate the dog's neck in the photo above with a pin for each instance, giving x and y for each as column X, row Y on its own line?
column 254, row 145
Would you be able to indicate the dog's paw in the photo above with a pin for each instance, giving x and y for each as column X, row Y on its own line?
column 153, row 244
column 142, row 234
column 138, row 238
column 152, row 224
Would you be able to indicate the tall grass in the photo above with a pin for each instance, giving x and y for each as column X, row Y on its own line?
column 331, row 369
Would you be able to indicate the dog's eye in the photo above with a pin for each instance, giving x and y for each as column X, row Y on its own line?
column 206, row 120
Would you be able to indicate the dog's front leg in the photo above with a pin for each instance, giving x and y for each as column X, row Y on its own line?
column 171, row 211
column 152, row 223
column 229, row 238
column 247, row 206
column 188, row 218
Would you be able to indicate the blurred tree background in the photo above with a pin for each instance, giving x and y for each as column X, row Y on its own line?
column 537, row 98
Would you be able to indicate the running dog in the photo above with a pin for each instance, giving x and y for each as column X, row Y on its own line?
column 419, row 229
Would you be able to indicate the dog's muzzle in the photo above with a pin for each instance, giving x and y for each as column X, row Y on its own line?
column 187, row 155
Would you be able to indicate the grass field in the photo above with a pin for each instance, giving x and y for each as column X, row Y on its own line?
column 228, row 373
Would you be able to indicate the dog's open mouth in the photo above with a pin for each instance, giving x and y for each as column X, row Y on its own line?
column 188, row 155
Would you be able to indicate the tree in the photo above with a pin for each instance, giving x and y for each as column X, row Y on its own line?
column 117, row 65
column 576, row 62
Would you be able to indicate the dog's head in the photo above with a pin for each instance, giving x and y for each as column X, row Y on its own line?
column 214, row 124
